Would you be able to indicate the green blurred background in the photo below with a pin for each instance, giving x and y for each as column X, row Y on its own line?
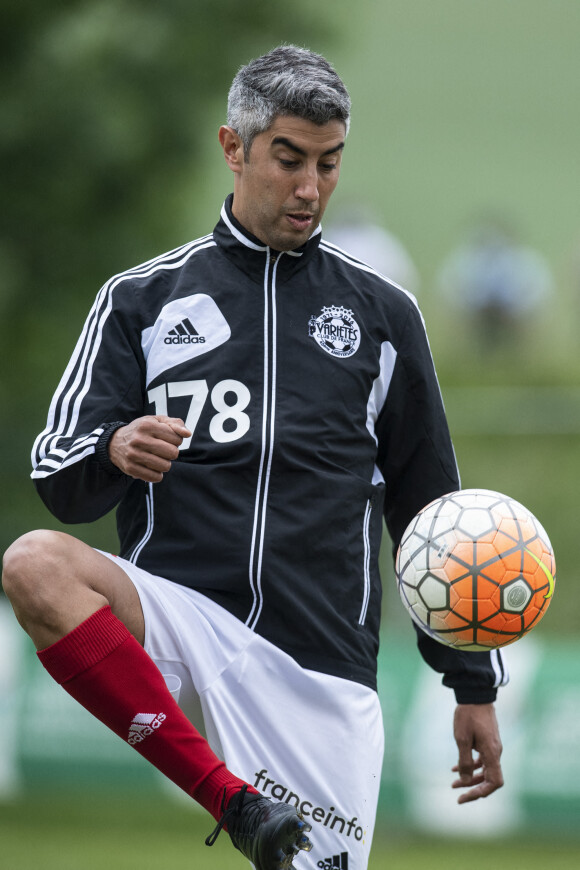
column 461, row 109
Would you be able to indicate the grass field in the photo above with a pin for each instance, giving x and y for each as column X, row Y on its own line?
column 132, row 833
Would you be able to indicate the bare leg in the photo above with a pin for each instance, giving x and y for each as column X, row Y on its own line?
column 85, row 618
column 54, row 582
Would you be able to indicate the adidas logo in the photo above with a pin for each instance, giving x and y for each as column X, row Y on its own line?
column 337, row 862
column 184, row 333
column 143, row 725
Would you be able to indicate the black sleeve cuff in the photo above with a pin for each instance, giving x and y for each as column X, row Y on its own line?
column 102, row 448
column 475, row 696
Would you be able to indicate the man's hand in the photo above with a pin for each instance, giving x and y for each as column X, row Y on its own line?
column 145, row 448
column 475, row 730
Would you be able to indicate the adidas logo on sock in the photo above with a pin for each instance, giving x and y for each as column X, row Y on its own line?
column 184, row 333
column 337, row 862
column 143, row 725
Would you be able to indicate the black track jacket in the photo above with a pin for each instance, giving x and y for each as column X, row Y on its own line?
column 307, row 381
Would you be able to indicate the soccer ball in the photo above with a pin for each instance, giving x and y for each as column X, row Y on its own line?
column 475, row 569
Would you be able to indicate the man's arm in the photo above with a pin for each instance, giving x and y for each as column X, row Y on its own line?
column 475, row 678
column 101, row 390
column 417, row 460
column 477, row 736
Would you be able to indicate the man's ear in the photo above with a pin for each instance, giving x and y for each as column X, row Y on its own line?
column 232, row 147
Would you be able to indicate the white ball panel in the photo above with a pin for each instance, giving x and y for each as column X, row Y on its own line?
column 474, row 523
column 434, row 592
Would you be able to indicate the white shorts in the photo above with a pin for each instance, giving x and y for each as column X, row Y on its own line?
column 299, row 736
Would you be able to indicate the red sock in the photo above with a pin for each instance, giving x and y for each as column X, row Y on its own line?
column 106, row 670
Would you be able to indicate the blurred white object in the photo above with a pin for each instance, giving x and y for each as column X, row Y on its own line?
column 11, row 680
column 366, row 240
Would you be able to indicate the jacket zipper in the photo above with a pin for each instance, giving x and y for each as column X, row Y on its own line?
column 268, row 414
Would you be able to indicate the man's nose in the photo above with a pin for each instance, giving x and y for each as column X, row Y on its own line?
column 307, row 188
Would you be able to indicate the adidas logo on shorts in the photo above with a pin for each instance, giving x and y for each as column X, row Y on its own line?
column 143, row 725
column 337, row 862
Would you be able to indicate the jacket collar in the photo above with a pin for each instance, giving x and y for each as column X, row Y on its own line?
column 251, row 255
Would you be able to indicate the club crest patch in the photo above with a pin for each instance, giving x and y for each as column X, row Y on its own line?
column 335, row 330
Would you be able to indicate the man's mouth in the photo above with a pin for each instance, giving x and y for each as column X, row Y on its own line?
column 301, row 220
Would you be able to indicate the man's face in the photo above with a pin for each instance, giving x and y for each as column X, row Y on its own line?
column 281, row 191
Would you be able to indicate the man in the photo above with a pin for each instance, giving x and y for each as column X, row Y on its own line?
column 253, row 403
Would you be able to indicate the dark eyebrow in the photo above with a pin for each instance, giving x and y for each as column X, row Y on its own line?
column 282, row 140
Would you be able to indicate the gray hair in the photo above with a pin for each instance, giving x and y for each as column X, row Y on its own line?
column 287, row 81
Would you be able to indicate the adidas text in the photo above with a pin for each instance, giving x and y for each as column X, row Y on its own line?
column 337, row 862
column 184, row 339
column 143, row 725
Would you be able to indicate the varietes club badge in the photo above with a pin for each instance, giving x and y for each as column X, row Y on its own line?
column 335, row 330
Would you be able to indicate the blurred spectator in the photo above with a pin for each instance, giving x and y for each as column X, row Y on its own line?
column 497, row 280
column 359, row 233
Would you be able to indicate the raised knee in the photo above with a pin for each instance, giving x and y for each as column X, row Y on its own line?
column 26, row 565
